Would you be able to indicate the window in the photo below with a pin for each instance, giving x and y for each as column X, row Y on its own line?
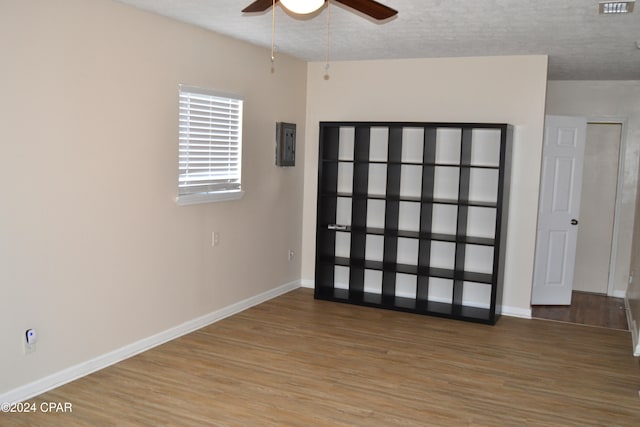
column 210, row 148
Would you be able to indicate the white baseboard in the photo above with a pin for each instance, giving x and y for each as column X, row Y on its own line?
column 506, row 310
column 85, row 368
column 523, row 313
column 72, row 373
column 619, row 294
column 307, row 283
column 633, row 328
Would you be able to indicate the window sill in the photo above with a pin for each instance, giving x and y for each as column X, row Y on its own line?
column 194, row 199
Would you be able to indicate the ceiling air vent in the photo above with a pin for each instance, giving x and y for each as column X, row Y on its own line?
column 607, row 7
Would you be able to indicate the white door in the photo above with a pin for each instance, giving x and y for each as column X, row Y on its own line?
column 558, row 213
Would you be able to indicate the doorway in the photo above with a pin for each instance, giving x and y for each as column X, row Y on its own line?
column 593, row 265
column 595, row 255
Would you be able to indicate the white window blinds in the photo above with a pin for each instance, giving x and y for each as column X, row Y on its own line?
column 210, row 147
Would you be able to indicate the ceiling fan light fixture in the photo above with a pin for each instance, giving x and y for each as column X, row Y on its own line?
column 302, row 7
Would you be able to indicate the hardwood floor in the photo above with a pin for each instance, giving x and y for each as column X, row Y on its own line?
column 586, row 309
column 294, row 361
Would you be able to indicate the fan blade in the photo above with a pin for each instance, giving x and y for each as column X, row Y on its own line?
column 258, row 6
column 370, row 7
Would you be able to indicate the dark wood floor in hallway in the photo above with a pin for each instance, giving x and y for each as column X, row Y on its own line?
column 586, row 309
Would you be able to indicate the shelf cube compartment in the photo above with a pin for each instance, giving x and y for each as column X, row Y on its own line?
column 379, row 144
column 341, row 277
column 483, row 185
column 485, row 147
column 446, row 182
column 448, row 145
column 375, row 213
column 440, row 290
column 344, row 183
column 409, row 216
column 377, row 180
column 343, row 211
column 478, row 259
column 476, row 295
column 412, row 145
column 345, row 147
column 373, row 282
column 407, row 251
column 481, row 222
column 443, row 255
column 411, row 181
column 375, row 248
column 406, row 285
column 343, row 244
column 444, row 219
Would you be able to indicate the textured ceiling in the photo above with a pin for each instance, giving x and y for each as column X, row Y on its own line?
column 581, row 44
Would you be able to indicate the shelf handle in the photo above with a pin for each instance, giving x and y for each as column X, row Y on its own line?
column 336, row 227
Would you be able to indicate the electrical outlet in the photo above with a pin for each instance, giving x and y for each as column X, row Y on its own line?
column 215, row 238
column 291, row 255
column 30, row 338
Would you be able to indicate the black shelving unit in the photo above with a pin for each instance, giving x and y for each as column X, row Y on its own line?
column 412, row 216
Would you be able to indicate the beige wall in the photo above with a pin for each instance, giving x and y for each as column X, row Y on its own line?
column 490, row 89
column 616, row 100
column 94, row 252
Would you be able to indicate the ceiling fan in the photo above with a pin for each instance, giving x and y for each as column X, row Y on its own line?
column 371, row 8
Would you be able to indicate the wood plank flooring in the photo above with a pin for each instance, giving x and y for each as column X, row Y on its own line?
column 294, row 361
column 586, row 309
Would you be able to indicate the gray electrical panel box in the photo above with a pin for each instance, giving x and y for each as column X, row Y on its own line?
column 285, row 144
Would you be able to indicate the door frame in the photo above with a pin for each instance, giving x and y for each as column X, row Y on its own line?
column 622, row 121
column 618, row 201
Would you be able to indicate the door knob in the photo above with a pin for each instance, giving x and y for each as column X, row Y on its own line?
column 574, row 222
